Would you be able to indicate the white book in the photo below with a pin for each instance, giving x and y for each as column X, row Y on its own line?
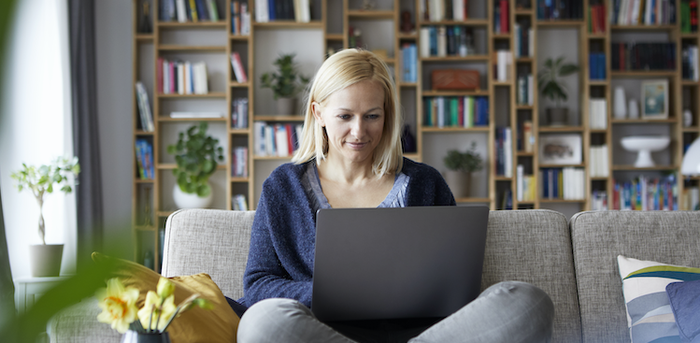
column 299, row 128
column 516, row 30
column 305, row 9
column 181, row 11
column 508, row 152
column 270, row 149
column 531, row 42
column 203, row 78
column 635, row 12
column 647, row 13
column 424, row 42
column 281, row 141
column 261, row 11
column 180, row 78
column 245, row 19
column 180, row 114
column 604, row 158
column 457, row 10
column 468, row 111
column 297, row 11
column 440, row 101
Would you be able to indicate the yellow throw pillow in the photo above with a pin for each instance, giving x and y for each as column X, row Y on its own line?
column 197, row 325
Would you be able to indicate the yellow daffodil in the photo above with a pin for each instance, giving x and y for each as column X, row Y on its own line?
column 118, row 304
column 165, row 287
column 156, row 312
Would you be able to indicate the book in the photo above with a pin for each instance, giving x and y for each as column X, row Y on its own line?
column 144, row 107
column 238, row 69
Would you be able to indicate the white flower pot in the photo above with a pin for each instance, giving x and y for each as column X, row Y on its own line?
column 190, row 200
column 45, row 259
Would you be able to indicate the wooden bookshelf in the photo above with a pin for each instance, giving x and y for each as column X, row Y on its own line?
column 332, row 19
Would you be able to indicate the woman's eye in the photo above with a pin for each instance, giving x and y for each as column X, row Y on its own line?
column 372, row 116
column 344, row 116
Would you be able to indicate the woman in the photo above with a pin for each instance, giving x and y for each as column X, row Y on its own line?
column 350, row 156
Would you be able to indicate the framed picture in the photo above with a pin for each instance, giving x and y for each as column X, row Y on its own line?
column 560, row 149
column 655, row 99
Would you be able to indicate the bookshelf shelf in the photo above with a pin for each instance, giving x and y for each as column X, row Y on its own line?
column 376, row 14
column 144, row 38
column 191, row 48
column 633, row 168
column 549, row 129
column 191, row 119
column 184, row 96
column 278, row 118
column 145, row 228
column 552, row 201
column 238, row 131
column 334, row 37
column 644, row 121
column 456, row 93
column 239, row 179
column 562, row 165
column 192, row 25
column 468, row 22
column 146, row 181
column 288, row 24
column 476, row 58
column 559, row 23
column 641, row 74
column 238, row 37
column 239, row 84
column 454, row 129
column 643, row 27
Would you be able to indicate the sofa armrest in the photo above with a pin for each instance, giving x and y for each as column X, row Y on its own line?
column 78, row 323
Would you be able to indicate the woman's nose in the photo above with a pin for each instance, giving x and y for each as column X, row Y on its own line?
column 356, row 127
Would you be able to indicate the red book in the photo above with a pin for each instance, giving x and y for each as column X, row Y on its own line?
column 693, row 16
column 504, row 16
column 622, row 56
column 290, row 138
column 159, row 75
column 601, row 17
column 466, row 9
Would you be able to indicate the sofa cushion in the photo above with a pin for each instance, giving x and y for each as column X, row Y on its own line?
column 649, row 314
column 598, row 237
column 535, row 246
column 209, row 241
column 685, row 302
column 196, row 325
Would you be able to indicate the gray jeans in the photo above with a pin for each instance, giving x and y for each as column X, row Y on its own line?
column 505, row 312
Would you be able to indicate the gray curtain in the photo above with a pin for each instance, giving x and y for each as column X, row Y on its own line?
column 7, row 287
column 86, row 142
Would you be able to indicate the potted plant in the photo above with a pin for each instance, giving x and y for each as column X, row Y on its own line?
column 45, row 259
column 196, row 155
column 460, row 165
column 551, row 87
column 286, row 83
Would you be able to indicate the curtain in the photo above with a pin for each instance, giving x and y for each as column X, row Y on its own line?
column 86, row 142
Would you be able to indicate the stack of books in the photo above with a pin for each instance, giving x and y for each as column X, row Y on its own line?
column 189, row 10
column 181, row 77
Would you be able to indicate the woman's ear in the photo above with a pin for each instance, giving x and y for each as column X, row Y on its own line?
column 316, row 110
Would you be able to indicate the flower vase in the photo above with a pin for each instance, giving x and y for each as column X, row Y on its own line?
column 190, row 200
column 619, row 104
column 142, row 337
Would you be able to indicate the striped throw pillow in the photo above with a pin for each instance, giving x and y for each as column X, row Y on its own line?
column 649, row 314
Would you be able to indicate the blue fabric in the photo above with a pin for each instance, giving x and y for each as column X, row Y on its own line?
column 282, row 243
column 685, row 303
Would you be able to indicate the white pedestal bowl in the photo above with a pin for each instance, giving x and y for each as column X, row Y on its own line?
column 644, row 145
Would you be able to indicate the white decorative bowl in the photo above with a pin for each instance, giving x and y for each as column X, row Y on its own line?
column 644, row 145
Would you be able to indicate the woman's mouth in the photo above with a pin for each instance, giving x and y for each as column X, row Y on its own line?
column 356, row 145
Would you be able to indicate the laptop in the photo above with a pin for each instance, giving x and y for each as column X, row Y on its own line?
column 392, row 263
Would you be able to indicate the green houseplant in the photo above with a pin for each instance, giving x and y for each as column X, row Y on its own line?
column 460, row 165
column 285, row 83
column 552, row 88
column 196, row 156
column 59, row 174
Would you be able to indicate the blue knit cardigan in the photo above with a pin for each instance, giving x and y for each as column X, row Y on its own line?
column 282, row 242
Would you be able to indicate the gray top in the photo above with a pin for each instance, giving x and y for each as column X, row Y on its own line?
column 312, row 185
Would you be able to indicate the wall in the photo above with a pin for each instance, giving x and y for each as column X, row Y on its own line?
column 113, row 38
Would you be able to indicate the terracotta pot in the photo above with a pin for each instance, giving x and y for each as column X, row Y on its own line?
column 45, row 259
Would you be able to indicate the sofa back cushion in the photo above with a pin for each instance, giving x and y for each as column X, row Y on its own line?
column 535, row 246
column 598, row 237
column 209, row 241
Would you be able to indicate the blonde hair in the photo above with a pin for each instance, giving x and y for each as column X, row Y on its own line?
column 338, row 72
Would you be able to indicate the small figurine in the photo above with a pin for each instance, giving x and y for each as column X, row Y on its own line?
column 368, row 4
column 406, row 23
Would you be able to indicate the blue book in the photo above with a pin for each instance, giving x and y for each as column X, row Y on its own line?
column 271, row 9
column 433, row 41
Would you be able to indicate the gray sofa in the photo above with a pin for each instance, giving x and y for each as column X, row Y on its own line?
column 574, row 261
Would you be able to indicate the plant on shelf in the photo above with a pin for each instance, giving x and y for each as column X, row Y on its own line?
column 460, row 165
column 120, row 310
column 196, row 155
column 551, row 86
column 61, row 172
column 286, row 83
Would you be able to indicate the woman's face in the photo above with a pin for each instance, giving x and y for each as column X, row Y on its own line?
column 354, row 121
